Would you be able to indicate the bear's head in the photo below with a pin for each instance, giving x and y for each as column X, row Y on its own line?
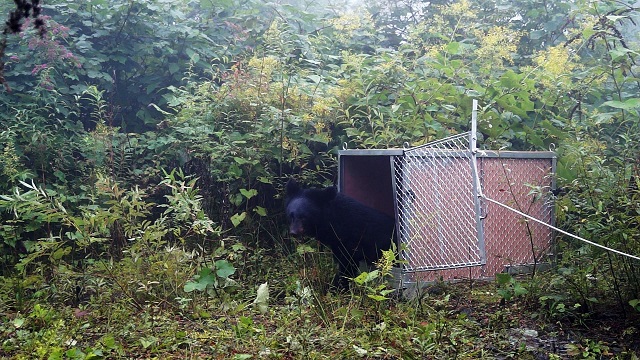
column 305, row 208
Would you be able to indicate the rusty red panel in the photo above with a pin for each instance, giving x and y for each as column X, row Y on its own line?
column 510, row 240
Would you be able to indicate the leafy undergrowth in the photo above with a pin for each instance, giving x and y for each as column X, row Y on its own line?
column 291, row 317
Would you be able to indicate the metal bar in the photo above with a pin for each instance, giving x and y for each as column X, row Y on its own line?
column 443, row 267
column 403, row 213
column 554, row 242
column 371, row 152
column 340, row 171
column 516, row 154
column 436, row 142
column 477, row 189
column 432, row 153
column 394, row 187
column 429, row 152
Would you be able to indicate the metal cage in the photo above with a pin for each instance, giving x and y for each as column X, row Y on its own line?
column 445, row 230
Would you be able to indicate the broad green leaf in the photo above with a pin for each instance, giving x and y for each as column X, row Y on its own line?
column 249, row 193
column 206, row 276
column 552, row 130
column 624, row 105
column 453, row 48
column 191, row 286
column 618, row 52
column 377, row 297
column 537, row 34
column 260, row 211
column 224, row 269
column 58, row 254
column 506, row 294
column 504, row 278
column 173, row 68
column 519, row 290
column 240, row 160
column 59, row 175
column 614, row 18
column 510, row 79
column 95, row 354
column 204, row 279
column 235, row 171
column 367, row 277
column 18, row 322
column 264, row 180
column 315, row 78
column 588, row 32
column 236, row 219
column 148, row 341
column 305, row 249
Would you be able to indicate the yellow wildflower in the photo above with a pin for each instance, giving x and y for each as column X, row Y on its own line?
column 264, row 65
column 556, row 66
column 460, row 9
column 555, row 60
column 498, row 44
column 349, row 23
column 322, row 106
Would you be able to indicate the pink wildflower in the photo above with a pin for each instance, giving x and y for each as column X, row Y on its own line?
column 38, row 68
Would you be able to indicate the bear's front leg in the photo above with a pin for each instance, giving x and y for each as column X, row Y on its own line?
column 347, row 269
column 340, row 282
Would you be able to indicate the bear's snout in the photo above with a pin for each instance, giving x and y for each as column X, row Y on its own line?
column 296, row 230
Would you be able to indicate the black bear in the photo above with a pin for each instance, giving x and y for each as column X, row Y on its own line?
column 352, row 231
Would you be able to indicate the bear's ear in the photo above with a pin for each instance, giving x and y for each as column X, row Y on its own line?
column 292, row 188
column 329, row 193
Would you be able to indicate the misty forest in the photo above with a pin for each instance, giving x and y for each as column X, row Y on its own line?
column 145, row 146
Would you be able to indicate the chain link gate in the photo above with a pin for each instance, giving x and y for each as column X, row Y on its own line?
column 439, row 220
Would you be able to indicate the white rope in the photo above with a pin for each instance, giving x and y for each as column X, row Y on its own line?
column 561, row 231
